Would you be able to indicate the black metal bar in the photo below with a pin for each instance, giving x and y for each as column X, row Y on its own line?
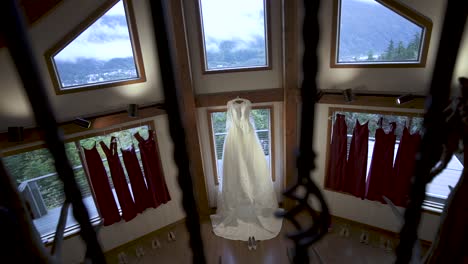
column 160, row 22
column 59, row 231
column 435, row 132
column 15, row 32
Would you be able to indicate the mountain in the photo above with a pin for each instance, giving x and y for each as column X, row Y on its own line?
column 87, row 71
column 368, row 27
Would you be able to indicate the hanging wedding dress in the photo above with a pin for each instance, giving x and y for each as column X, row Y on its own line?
column 246, row 198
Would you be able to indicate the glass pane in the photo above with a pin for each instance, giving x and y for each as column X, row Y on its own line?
column 234, row 33
column 100, row 54
column 372, row 33
column 438, row 188
column 40, row 186
column 261, row 123
column 125, row 139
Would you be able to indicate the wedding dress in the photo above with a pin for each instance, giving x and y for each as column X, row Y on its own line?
column 246, row 199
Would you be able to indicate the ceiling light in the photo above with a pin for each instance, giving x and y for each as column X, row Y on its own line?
column 82, row 122
column 404, row 99
column 132, row 110
column 348, row 95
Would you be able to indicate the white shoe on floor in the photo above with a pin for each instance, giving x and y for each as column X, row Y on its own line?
column 254, row 243
column 249, row 243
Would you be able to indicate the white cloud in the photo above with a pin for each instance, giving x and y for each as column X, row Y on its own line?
column 367, row 1
column 232, row 20
column 103, row 40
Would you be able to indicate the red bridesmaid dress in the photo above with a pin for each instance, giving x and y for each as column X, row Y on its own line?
column 100, row 185
column 381, row 169
column 140, row 191
column 404, row 168
column 153, row 170
column 337, row 159
column 356, row 168
column 118, row 178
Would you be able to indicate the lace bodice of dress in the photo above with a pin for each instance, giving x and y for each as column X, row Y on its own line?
column 238, row 114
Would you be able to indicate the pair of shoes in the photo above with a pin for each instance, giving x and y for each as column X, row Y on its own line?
column 251, row 243
column 155, row 243
column 344, row 232
column 364, row 238
column 171, row 236
column 139, row 252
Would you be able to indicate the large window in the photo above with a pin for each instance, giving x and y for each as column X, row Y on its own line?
column 374, row 32
column 100, row 54
column 40, row 186
column 263, row 124
column 437, row 191
column 234, row 34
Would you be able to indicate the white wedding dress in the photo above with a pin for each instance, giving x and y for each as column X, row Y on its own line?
column 246, row 199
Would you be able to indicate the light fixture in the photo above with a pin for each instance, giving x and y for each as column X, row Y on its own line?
column 348, row 95
column 404, row 99
column 82, row 122
column 15, row 134
column 132, row 110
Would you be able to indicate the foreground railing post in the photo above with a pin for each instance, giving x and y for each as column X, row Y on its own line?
column 15, row 32
column 160, row 22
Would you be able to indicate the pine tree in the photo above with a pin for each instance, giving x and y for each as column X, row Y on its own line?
column 390, row 51
column 400, row 51
column 370, row 55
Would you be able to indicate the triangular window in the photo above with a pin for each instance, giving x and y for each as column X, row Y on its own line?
column 102, row 52
column 370, row 33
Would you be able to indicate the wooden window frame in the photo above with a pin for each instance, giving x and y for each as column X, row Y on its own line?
column 213, row 147
column 402, row 10
column 428, row 206
column 134, row 39
column 72, row 231
column 201, row 43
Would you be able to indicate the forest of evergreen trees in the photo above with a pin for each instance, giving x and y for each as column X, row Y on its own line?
column 399, row 52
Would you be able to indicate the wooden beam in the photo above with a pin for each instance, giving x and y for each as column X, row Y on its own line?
column 34, row 10
column 188, row 109
column 290, row 84
column 255, row 96
column 32, row 135
column 372, row 100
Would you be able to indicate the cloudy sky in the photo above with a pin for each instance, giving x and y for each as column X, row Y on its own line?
column 232, row 20
column 107, row 38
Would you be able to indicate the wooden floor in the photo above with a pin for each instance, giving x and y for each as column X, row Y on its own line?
column 332, row 249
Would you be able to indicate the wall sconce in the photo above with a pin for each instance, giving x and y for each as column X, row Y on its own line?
column 132, row 110
column 348, row 95
column 404, row 99
column 82, row 122
column 15, row 134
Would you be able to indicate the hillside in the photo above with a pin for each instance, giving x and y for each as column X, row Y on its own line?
column 369, row 27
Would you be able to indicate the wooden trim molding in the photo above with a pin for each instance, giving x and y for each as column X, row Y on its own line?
column 137, row 55
column 271, row 135
column 399, row 8
column 32, row 135
column 201, row 43
column 254, row 96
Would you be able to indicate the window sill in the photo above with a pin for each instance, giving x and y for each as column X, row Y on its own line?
column 70, row 231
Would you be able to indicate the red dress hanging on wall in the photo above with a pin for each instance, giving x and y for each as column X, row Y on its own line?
column 153, row 170
column 381, row 169
column 100, row 184
column 404, row 168
column 118, row 178
column 337, row 159
column 140, row 192
column 356, row 168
